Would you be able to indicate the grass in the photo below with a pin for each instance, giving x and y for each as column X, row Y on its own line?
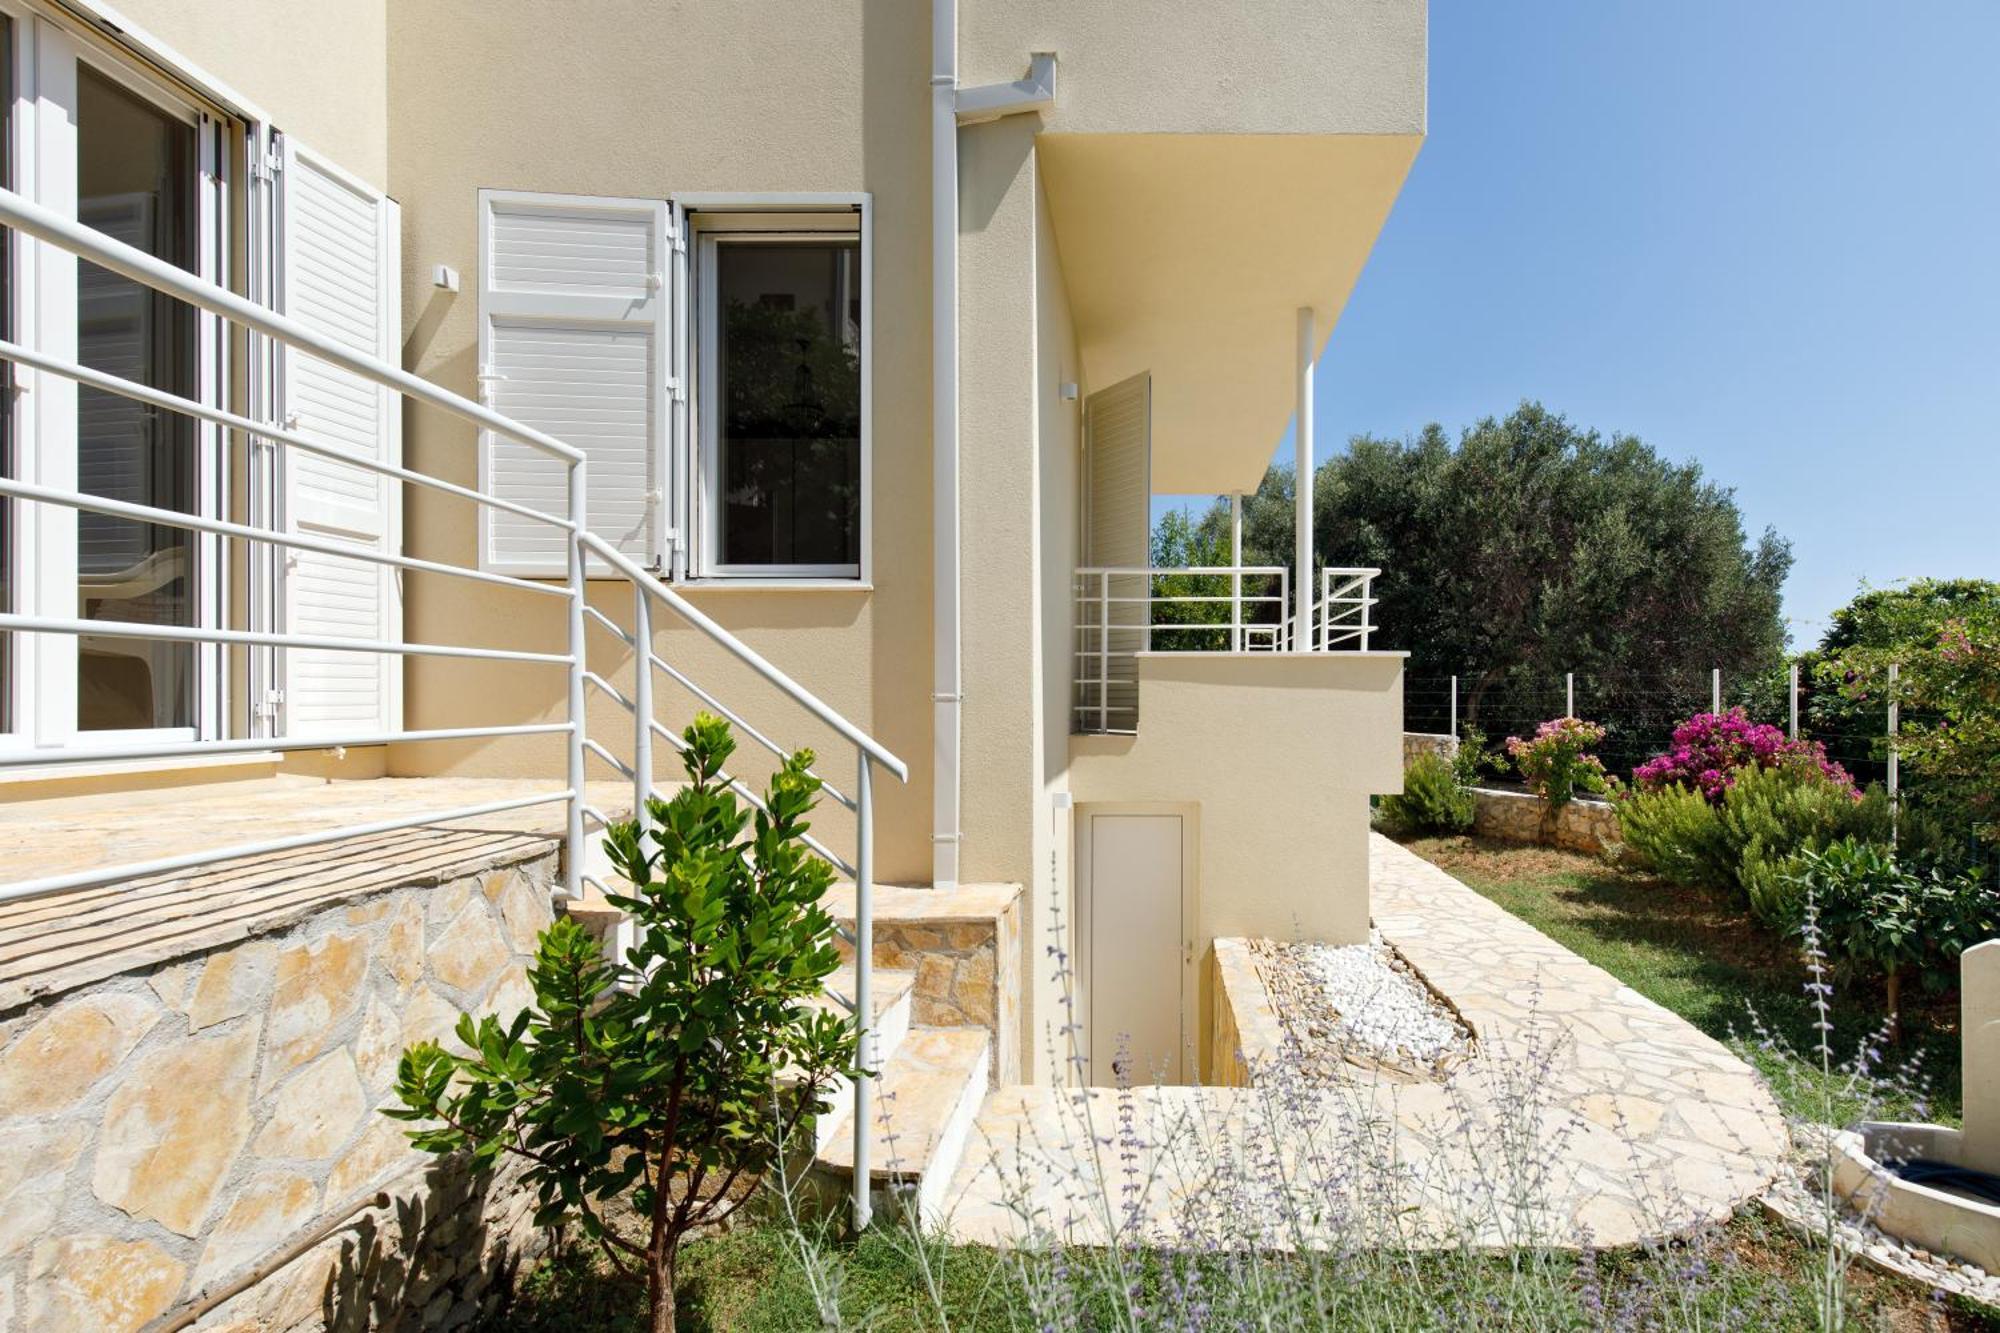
column 1700, row 954
column 749, row 1280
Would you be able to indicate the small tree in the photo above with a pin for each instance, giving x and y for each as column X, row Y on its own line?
column 672, row 1077
column 1875, row 910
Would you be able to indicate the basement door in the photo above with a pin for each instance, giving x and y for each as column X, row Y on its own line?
column 1136, row 942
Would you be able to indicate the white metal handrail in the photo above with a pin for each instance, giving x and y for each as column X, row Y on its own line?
column 45, row 226
column 1123, row 610
column 1342, row 615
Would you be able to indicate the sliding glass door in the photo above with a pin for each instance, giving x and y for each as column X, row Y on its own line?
column 135, row 182
column 88, row 137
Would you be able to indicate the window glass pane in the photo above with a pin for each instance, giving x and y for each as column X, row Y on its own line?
column 135, row 182
column 790, row 432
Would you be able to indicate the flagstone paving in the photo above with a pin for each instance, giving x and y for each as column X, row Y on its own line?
column 1585, row 1114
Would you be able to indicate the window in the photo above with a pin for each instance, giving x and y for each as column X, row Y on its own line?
column 710, row 357
column 780, row 363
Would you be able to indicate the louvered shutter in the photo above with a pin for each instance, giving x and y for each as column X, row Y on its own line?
column 1117, row 508
column 338, row 272
column 575, row 333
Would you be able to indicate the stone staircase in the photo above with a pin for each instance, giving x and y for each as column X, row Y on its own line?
column 945, row 999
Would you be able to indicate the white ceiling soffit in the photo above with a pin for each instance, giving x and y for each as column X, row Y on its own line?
column 1188, row 255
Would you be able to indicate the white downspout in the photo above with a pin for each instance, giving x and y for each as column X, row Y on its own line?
column 950, row 107
column 947, row 678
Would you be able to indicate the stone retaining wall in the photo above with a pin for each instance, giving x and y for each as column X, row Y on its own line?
column 1518, row 816
column 1428, row 742
column 163, row 1132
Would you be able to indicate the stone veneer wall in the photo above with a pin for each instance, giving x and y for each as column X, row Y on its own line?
column 1519, row 816
column 163, row 1132
column 968, row 974
column 1245, row 1029
column 1428, row 742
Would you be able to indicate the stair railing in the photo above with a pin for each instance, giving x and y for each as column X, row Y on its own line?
column 45, row 226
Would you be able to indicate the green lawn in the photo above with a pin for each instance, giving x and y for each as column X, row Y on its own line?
column 1700, row 954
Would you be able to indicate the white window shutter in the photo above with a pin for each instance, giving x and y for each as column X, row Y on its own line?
column 575, row 340
column 339, row 272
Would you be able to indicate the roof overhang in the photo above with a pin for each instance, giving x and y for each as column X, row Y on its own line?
column 1188, row 256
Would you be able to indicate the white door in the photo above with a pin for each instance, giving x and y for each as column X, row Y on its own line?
column 338, row 273
column 1136, row 945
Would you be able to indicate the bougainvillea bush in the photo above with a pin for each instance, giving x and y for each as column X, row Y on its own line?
column 1556, row 761
column 1710, row 749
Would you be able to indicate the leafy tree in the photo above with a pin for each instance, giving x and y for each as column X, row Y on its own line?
column 672, row 1078
column 1844, row 701
column 1201, row 600
column 1528, row 548
column 1948, row 654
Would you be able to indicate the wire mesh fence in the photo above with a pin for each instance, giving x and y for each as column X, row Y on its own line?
column 1640, row 711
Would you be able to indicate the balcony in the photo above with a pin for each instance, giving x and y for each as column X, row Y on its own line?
column 1123, row 612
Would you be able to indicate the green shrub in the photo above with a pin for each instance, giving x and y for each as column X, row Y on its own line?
column 1752, row 840
column 1871, row 909
column 1432, row 801
column 1676, row 834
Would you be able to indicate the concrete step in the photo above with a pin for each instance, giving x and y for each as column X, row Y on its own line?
column 890, row 999
column 925, row 1101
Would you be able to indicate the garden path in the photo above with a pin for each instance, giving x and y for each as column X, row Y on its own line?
column 1586, row 1115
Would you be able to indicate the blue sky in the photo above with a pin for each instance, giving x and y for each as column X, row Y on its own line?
column 1761, row 235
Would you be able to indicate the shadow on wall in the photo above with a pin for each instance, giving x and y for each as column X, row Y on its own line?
column 440, row 1260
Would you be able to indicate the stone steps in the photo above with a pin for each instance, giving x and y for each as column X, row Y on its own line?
column 927, row 1097
column 890, row 1000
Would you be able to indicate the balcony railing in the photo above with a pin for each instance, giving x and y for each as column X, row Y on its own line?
column 1122, row 611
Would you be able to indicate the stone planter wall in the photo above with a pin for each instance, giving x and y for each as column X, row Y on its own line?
column 1428, row 742
column 162, row 1132
column 1518, row 816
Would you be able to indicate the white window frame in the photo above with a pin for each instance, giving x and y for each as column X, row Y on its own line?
column 47, row 53
column 747, row 218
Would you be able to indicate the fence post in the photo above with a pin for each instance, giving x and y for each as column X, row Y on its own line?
column 1895, row 785
column 1569, row 694
column 1715, row 691
column 1795, row 701
column 1454, row 705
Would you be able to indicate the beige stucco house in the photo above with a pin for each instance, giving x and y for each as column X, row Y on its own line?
column 875, row 328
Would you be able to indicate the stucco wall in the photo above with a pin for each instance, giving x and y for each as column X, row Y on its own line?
column 318, row 68
column 1281, row 752
column 671, row 99
column 1258, row 67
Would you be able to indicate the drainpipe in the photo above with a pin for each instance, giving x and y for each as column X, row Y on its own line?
column 952, row 106
column 947, row 678
column 1302, row 486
